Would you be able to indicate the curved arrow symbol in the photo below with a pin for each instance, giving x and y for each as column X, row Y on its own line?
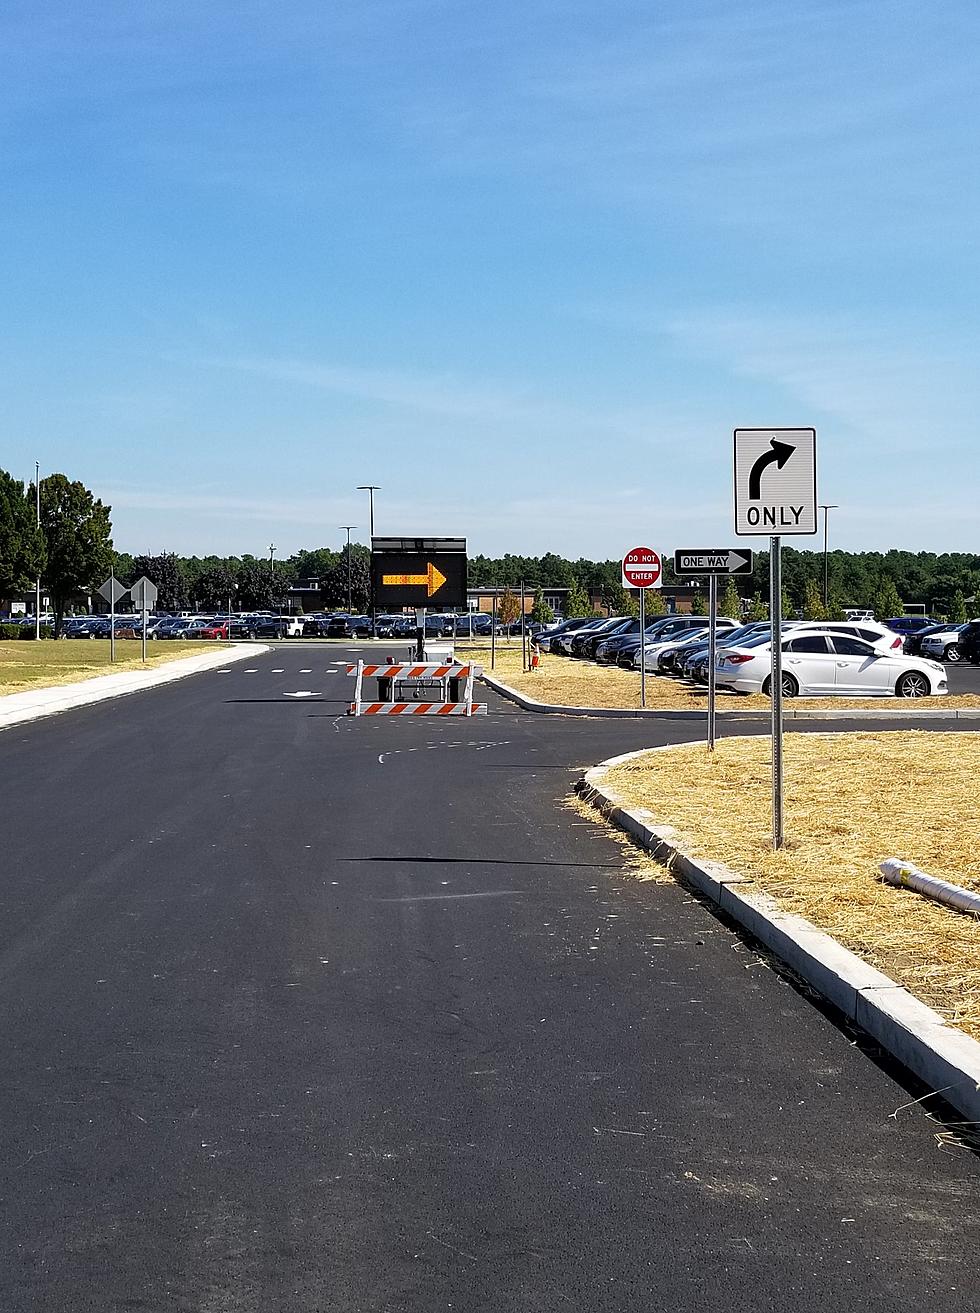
column 780, row 453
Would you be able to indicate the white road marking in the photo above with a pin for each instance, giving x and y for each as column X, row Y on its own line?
column 252, row 670
column 442, row 898
column 301, row 693
column 278, row 670
column 307, row 671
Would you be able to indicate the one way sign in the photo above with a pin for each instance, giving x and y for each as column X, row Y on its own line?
column 719, row 560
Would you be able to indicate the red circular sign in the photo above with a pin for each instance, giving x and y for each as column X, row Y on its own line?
column 642, row 567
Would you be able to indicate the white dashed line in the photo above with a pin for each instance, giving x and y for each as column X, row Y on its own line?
column 279, row 670
column 306, row 671
column 252, row 670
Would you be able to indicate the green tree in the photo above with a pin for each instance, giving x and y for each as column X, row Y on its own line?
column 78, row 536
column 813, row 607
column 615, row 598
column 508, row 607
column 541, row 612
column 22, row 546
column 164, row 571
column 335, row 583
column 700, row 605
column 730, row 604
column 577, row 602
column 957, row 609
column 885, row 601
column 759, row 610
column 653, row 604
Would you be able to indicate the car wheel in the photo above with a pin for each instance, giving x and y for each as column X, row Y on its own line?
column 953, row 653
column 913, row 684
column 790, row 687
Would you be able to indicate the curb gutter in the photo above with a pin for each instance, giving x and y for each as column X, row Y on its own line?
column 947, row 1059
column 639, row 713
column 35, row 703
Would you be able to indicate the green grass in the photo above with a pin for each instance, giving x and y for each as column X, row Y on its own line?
column 25, row 664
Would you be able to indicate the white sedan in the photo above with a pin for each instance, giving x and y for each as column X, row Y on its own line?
column 829, row 665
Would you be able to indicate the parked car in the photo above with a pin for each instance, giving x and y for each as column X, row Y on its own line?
column 667, row 657
column 905, row 624
column 913, row 642
column 695, row 663
column 969, row 643
column 943, row 644
column 584, row 641
column 349, row 626
column 827, row 664
column 666, row 631
column 553, row 632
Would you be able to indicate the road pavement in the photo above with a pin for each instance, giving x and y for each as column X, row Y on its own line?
column 311, row 1013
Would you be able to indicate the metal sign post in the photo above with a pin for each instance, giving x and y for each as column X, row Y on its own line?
column 523, row 632
column 112, row 616
column 712, row 649
column 643, row 568
column 776, row 688
column 643, row 664
column 144, row 617
column 776, row 491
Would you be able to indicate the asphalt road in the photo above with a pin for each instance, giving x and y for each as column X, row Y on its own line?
column 312, row 1014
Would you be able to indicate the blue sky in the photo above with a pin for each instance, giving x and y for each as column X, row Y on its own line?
column 524, row 265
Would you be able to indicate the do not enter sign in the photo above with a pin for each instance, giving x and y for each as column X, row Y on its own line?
column 642, row 568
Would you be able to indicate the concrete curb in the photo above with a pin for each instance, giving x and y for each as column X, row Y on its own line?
column 637, row 713
column 947, row 1059
column 35, row 703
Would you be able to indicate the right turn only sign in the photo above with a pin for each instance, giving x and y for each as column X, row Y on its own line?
column 775, row 481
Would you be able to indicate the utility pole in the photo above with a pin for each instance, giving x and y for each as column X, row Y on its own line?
column 350, row 607
column 37, row 590
column 272, row 574
column 371, row 489
column 826, row 507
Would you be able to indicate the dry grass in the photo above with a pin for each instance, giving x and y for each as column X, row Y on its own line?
column 568, row 682
column 851, row 801
column 25, row 664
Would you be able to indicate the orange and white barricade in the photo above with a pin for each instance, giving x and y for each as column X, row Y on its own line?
column 412, row 677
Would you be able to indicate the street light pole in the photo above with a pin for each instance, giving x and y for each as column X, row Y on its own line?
column 350, row 607
column 272, row 574
column 37, row 590
column 371, row 489
column 826, row 507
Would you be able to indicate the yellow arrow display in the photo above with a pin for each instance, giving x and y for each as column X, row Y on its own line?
column 431, row 581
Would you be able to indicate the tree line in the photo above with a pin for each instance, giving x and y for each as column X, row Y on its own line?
column 72, row 551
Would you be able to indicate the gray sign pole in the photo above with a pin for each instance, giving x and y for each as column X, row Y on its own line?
column 776, row 688
column 643, row 660
column 712, row 648
column 112, row 616
column 144, row 615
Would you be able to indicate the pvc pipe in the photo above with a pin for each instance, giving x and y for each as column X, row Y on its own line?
column 907, row 876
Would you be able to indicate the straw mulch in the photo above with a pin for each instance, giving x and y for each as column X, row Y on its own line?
column 851, row 800
column 568, row 682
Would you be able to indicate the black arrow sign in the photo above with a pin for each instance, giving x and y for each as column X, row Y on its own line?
column 780, row 454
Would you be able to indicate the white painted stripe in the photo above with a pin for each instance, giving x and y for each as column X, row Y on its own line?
column 307, row 670
column 278, row 670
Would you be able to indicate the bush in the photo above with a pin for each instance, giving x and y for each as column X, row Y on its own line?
column 24, row 631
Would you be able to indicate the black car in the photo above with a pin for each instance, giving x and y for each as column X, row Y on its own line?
column 349, row 626
column 586, row 645
column 969, row 643
column 912, row 644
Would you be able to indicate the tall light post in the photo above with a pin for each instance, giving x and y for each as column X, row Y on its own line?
column 826, row 507
column 371, row 489
column 37, row 589
column 272, row 574
column 348, row 527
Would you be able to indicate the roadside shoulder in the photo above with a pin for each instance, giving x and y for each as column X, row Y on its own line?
column 946, row 1058
column 35, row 703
